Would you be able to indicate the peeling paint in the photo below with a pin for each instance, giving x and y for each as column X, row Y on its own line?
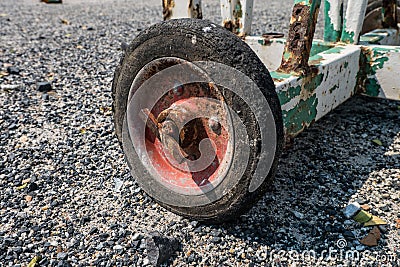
column 301, row 116
column 378, row 74
column 173, row 9
column 301, row 32
column 315, row 60
column 333, row 88
column 371, row 38
column 306, row 98
column 234, row 24
column 334, row 50
column 286, row 96
column 195, row 9
column 353, row 21
column 311, row 82
column 333, row 11
column 372, row 87
column 318, row 47
column 381, row 36
column 168, row 5
column 376, row 59
column 237, row 16
column 347, row 36
column 279, row 76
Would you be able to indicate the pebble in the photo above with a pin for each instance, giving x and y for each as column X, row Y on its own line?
column 118, row 247
column 62, row 256
column 32, row 187
column 13, row 70
column 136, row 236
column 44, row 87
column 146, row 261
column 360, row 248
column 298, row 215
column 351, row 210
column 160, row 248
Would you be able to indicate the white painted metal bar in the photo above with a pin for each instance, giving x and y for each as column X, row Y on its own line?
column 333, row 11
column 307, row 99
column 353, row 20
column 237, row 16
column 270, row 51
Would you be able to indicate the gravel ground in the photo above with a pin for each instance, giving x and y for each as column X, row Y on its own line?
column 71, row 212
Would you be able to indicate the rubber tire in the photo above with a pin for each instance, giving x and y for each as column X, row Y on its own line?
column 218, row 45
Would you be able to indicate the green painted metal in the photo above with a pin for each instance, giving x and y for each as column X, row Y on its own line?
column 306, row 98
column 347, row 36
column 371, row 38
column 276, row 75
column 318, row 47
column 300, row 116
column 334, row 71
column 286, row 96
column 333, row 12
column 377, row 59
column 335, row 50
column 381, row 37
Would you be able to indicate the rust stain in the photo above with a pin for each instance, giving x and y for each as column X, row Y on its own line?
column 309, row 83
column 363, row 69
column 191, row 133
column 389, row 8
column 234, row 25
column 299, row 42
column 267, row 37
column 195, row 10
column 167, row 8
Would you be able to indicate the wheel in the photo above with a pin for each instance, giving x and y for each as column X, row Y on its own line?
column 198, row 118
column 373, row 16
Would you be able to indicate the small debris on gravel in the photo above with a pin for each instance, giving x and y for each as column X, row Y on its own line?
column 160, row 248
column 372, row 238
column 298, row 215
column 44, row 87
column 124, row 46
column 351, row 210
column 13, row 70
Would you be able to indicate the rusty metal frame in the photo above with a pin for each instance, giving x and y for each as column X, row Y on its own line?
column 312, row 77
column 237, row 16
column 315, row 76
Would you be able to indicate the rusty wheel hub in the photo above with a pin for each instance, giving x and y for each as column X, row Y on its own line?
column 187, row 136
